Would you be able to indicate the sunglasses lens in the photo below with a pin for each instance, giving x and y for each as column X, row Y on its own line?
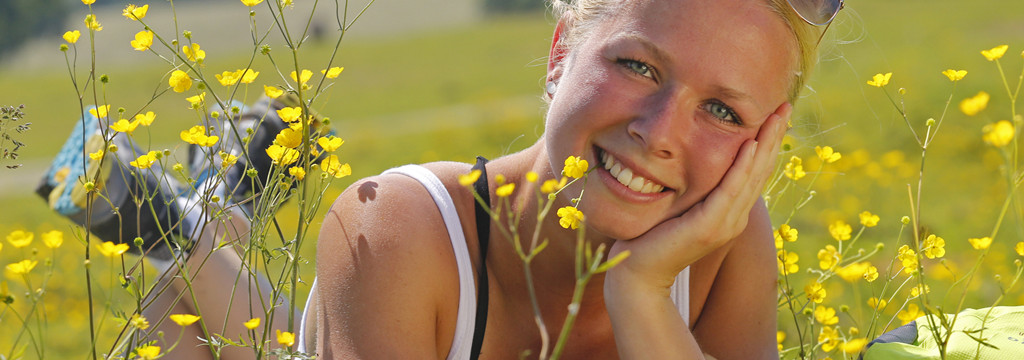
column 817, row 12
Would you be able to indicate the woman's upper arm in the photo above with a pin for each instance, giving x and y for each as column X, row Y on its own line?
column 739, row 318
column 378, row 258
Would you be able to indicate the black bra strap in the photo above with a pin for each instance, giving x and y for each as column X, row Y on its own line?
column 483, row 234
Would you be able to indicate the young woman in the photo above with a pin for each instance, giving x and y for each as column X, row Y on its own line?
column 680, row 105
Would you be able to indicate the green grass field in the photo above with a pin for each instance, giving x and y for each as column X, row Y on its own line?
column 456, row 93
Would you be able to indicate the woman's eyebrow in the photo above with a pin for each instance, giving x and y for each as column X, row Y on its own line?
column 655, row 51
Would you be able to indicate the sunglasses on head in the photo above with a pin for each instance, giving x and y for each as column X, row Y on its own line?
column 817, row 12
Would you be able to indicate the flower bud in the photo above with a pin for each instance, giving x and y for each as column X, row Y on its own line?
column 138, row 242
column 215, row 114
column 215, row 199
column 187, row 34
column 844, row 308
column 905, row 220
column 104, row 78
column 63, row 47
column 89, row 186
column 903, row 91
column 112, row 148
column 930, row 122
column 201, row 86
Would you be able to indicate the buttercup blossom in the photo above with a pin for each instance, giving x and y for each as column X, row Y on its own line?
column 335, row 168
column 955, row 75
column 109, row 249
column 196, row 101
column 868, row 219
column 196, row 135
column 826, row 154
column 53, row 239
column 332, row 72
column 139, row 321
column 303, row 78
column 254, row 322
column 20, row 238
column 88, row 2
column 72, row 36
column 251, row 2
column 871, row 274
column 785, row 233
column 330, row 143
column 248, row 76
column 877, row 304
column 470, row 178
column 933, row 247
column 290, row 114
column 227, row 160
column 133, row 12
column 283, row 156
column 286, row 339
column 828, row 257
column 146, row 119
column 840, row 230
column 795, row 168
column 880, row 80
column 298, row 172
column 124, row 126
column 575, row 167
column 828, row 338
column 100, row 111
column 570, row 217
column 92, row 24
column 975, row 104
column 145, row 161
column 552, row 185
column 228, row 78
column 826, row 315
column 919, row 290
column 815, row 292
column 184, row 319
column 272, row 91
column 289, row 138
column 532, row 176
column 148, row 352
column 980, row 243
column 1019, row 248
column 908, row 258
column 180, row 81
column 22, row 267
column 505, row 190
column 194, row 53
column 999, row 134
column 910, row 314
column 995, row 53
column 787, row 262
column 854, row 346
column 853, row 272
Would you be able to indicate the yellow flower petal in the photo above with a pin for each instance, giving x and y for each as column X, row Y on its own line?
column 179, row 81
column 999, row 134
column 470, row 178
column 880, row 80
column 22, row 267
column 72, row 36
column 20, row 238
column 53, row 239
column 955, row 75
column 184, row 319
column 272, row 91
column 995, row 53
column 254, row 322
column 286, row 339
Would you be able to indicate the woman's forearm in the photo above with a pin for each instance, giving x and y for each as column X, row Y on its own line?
column 646, row 322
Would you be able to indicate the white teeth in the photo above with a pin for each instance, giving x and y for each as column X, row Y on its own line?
column 626, row 177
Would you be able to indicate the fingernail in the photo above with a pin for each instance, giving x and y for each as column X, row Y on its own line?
column 753, row 148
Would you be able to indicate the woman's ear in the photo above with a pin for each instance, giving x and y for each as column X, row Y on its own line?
column 558, row 51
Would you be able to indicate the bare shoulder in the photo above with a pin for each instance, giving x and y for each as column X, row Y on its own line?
column 385, row 271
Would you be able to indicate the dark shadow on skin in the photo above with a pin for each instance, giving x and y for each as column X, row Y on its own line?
column 368, row 191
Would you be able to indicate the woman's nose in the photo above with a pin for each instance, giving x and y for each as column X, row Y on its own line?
column 662, row 124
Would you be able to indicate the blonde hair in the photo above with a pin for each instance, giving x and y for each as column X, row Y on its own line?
column 582, row 16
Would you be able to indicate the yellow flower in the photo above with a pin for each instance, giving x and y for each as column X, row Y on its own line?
column 20, row 238
column 828, row 338
column 785, row 233
column 248, row 76
column 853, row 272
column 303, row 78
column 871, row 274
column 787, row 262
column 794, row 168
column 148, row 352
column 139, row 321
column 575, row 167
column 254, row 322
column 918, row 290
column 251, row 3
column 289, row 138
column 96, row 156
column 184, row 319
column 330, row 143
column 133, row 12
column 272, row 91
column 109, row 249
column 227, row 160
column 1019, row 248
column 532, row 176
column 146, row 119
column 286, row 339
column 180, row 81
column 880, row 80
column 570, row 217
column 854, row 347
column 100, row 111
column 876, row 303
column 72, row 36
column 298, row 172
column 910, row 314
column 505, row 190
column 908, row 258
column 335, row 168
column 828, row 257
column 124, row 126
column 840, row 230
column 145, row 161
column 980, row 243
column 826, row 315
column 22, row 267
column 975, row 104
column 88, row 2
column 194, row 53
column 92, row 24
column 53, row 239
column 470, row 178
column 196, row 101
column 955, row 75
column 780, row 336
column 228, row 78
column 815, row 292
column 933, row 247
column 868, row 219
column 196, row 135
column 290, row 114
column 332, row 72
column 283, row 156
column 995, row 53
column 827, row 155
column 552, row 185
column 999, row 134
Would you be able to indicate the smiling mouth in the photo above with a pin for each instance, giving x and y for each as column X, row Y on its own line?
column 626, row 176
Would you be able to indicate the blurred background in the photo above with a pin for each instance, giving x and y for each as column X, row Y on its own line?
column 431, row 80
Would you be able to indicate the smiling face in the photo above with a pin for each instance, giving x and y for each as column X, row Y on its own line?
column 660, row 96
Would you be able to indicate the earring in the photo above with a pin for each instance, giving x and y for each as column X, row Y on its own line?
column 550, row 88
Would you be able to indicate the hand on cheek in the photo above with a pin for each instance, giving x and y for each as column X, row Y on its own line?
column 661, row 253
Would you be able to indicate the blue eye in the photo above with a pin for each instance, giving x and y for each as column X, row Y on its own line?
column 638, row 67
column 723, row 113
